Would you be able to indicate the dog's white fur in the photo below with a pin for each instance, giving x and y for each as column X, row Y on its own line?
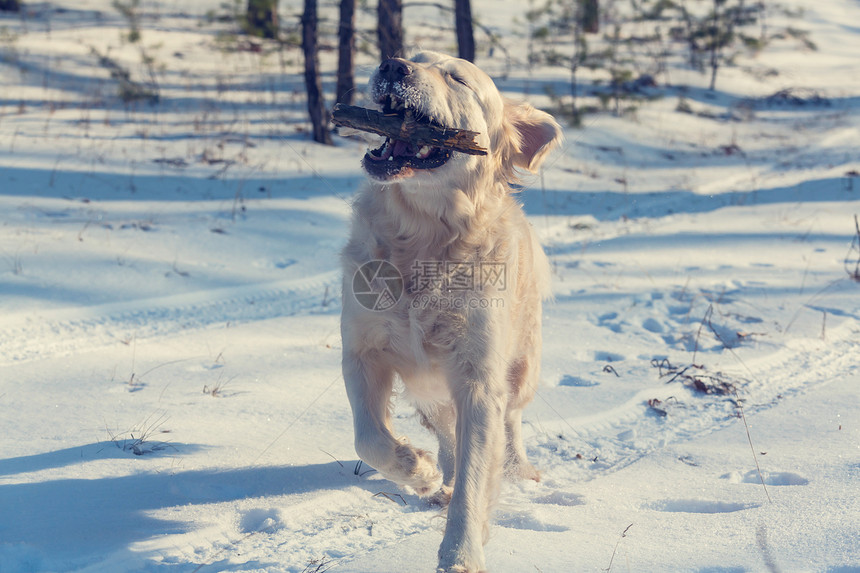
column 471, row 367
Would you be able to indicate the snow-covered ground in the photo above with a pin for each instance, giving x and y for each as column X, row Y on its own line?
column 169, row 298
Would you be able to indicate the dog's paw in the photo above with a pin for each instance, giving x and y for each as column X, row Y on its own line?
column 442, row 497
column 418, row 469
column 459, row 569
column 523, row 470
column 528, row 471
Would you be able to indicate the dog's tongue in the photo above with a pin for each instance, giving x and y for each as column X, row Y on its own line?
column 402, row 148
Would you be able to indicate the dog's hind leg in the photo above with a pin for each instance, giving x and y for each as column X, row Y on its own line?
column 441, row 419
column 369, row 384
column 516, row 463
column 523, row 380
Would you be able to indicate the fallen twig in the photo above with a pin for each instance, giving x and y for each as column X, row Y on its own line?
column 391, row 496
column 406, row 128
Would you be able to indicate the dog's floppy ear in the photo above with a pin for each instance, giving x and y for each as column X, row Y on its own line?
column 537, row 134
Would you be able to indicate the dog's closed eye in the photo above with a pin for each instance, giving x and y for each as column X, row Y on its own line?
column 458, row 78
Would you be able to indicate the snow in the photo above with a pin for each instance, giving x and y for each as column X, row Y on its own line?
column 169, row 302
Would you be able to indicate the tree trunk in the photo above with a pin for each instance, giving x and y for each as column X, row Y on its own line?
column 465, row 30
column 346, row 52
column 262, row 18
column 579, row 48
column 390, row 28
column 715, row 45
column 590, row 16
column 10, row 5
column 313, row 84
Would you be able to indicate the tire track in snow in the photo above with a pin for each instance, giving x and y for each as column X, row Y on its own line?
column 66, row 331
column 612, row 440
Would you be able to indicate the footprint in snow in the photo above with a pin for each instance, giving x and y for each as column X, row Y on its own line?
column 603, row 356
column 568, row 380
column 561, row 498
column 653, row 325
column 526, row 520
column 681, row 310
column 699, row 506
column 608, row 320
column 256, row 520
column 770, row 478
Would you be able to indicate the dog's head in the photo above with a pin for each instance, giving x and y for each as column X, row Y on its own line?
column 454, row 93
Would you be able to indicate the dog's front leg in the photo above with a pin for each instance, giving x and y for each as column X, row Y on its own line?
column 479, row 458
column 369, row 381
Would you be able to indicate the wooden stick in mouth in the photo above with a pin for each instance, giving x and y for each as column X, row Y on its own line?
column 406, row 128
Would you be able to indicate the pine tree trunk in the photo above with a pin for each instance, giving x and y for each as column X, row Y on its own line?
column 313, row 84
column 390, row 28
column 715, row 45
column 346, row 52
column 590, row 16
column 465, row 30
column 10, row 5
column 262, row 18
column 575, row 60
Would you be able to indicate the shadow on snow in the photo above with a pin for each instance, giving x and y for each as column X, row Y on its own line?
column 616, row 205
column 110, row 514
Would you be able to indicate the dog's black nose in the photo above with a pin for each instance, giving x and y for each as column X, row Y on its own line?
column 394, row 69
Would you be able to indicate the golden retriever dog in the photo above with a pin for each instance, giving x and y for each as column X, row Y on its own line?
column 443, row 282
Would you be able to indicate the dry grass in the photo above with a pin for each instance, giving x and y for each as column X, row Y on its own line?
column 853, row 256
column 140, row 439
column 320, row 565
column 696, row 377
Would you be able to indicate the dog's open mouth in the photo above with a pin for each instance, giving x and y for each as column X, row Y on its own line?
column 396, row 157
